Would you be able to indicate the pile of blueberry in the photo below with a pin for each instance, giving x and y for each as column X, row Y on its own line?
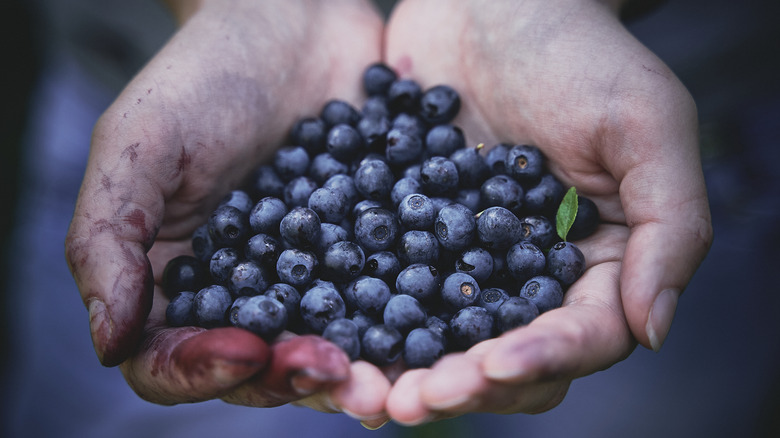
column 381, row 231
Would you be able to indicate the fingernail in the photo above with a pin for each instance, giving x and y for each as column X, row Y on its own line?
column 374, row 424
column 660, row 319
column 100, row 325
column 429, row 418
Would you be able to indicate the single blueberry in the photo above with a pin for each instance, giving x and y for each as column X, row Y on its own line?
column 439, row 104
column 498, row 228
column 403, row 187
column 291, row 162
column 336, row 111
column 545, row 197
column 410, row 124
column 455, row 227
column 321, row 305
column 222, row 263
column 266, row 182
column 233, row 311
column 472, row 169
column 183, row 273
column 460, row 290
column 377, row 79
column 422, row 348
column 502, row 191
column 525, row 260
column 476, row 262
column 383, row 265
column 344, row 333
column 438, row 176
column 329, row 234
column 202, row 245
column 374, row 131
column 310, row 133
column 586, row 221
column 402, row 147
column 300, row 227
column 382, row 345
column 344, row 142
column 375, row 107
column 538, row 230
column 404, row 313
column 211, row 305
column 515, row 312
column 345, row 184
column 374, row 180
column 324, row 166
column 263, row 316
column 179, row 312
column 525, row 163
column 297, row 192
column 266, row 215
column 248, row 278
column 343, row 262
column 545, row 292
column 469, row 326
column 565, row 262
column 290, row 298
column 263, row 250
column 368, row 294
column 416, row 246
column 330, row 205
column 416, row 212
column 420, row 281
column 403, row 96
column 444, row 140
column 495, row 158
column 297, row 267
column 228, row 226
column 376, row 229
column 492, row 298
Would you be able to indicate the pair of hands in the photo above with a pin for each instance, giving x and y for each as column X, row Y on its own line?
column 221, row 95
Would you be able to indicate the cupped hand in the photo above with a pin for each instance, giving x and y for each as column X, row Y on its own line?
column 205, row 111
column 615, row 122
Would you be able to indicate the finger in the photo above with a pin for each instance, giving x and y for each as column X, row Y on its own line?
column 665, row 201
column 300, row 366
column 363, row 395
column 183, row 365
column 403, row 402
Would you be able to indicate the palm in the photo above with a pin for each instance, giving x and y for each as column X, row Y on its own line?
column 602, row 108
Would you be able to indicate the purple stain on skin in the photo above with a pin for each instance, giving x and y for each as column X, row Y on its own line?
column 131, row 152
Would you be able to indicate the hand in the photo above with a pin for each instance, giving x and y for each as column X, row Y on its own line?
column 615, row 122
column 196, row 120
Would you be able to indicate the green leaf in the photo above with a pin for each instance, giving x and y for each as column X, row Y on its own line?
column 567, row 211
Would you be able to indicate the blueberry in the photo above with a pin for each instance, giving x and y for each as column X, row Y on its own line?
column 344, row 333
column 565, row 262
column 364, row 205
column 410, row 124
column 498, row 228
column 586, row 221
column 420, row 281
column 472, row 170
column 515, row 312
column 471, row 198
column 545, row 197
column 404, row 313
column 329, row 234
column 377, row 79
column 291, row 162
column 233, row 311
column 525, row 260
column 228, row 226
column 183, row 273
column 310, row 133
column 344, row 184
column 330, row 205
column 438, row 326
column 297, row 192
column 222, row 263
column 248, row 278
column 376, row 229
column 300, row 227
column 403, row 147
column 383, row 265
column 266, row 215
column 525, row 163
column 297, row 267
column 502, row 191
column 321, row 305
column 374, row 180
column 239, row 199
column 368, row 294
column 403, row 96
column 375, row 106
column 439, row 104
column 344, row 142
column 422, row 348
column 374, row 131
column 403, row 187
column 440, row 202
column 492, row 298
column 289, row 297
column 343, row 262
column 439, row 176
column 469, row 326
column 336, row 111
column 263, row 250
column 417, row 246
column 495, row 158
column 266, row 182
column 476, row 262
column 211, row 305
column 413, row 172
column 460, row 290
column 382, row 345
column 455, row 227
column 324, row 166
column 416, row 212
column 444, row 140
column 538, row 230
column 202, row 245
column 545, row 292
column 179, row 312
column 263, row 316
column 363, row 322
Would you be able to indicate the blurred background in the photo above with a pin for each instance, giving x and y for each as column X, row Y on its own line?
column 718, row 374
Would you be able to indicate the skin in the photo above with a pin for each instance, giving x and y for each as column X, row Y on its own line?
column 611, row 117
column 615, row 122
